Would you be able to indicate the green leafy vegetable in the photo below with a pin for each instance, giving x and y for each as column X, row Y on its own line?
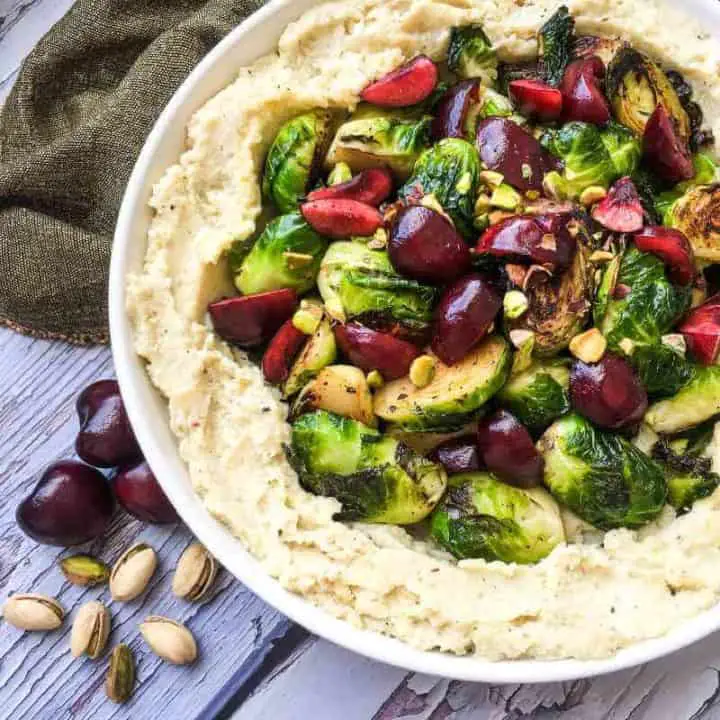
column 471, row 54
column 555, row 43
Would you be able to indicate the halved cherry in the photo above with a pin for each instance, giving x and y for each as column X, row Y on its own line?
column 701, row 330
column 621, row 211
column 608, row 393
column 452, row 110
column 341, row 218
column 507, row 449
column 374, row 350
column 540, row 239
column 583, row 99
column 509, row 149
column 425, row 246
column 673, row 248
column 408, row 85
column 281, row 353
column 458, row 455
column 665, row 151
column 463, row 317
column 536, row 99
column 370, row 187
column 252, row 320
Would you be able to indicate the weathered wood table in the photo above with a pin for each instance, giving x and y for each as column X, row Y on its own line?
column 254, row 664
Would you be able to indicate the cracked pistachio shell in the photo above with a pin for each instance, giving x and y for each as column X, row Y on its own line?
column 132, row 572
column 32, row 611
column 90, row 630
column 195, row 573
column 169, row 639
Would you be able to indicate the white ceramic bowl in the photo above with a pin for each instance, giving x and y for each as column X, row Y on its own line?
column 148, row 413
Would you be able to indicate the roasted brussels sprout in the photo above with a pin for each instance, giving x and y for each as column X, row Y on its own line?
column 373, row 137
column 294, row 159
column 662, row 369
column 593, row 157
column 450, row 171
column 695, row 403
column 539, row 395
column 471, row 54
column 697, row 215
column 286, row 255
column 357, row 283
column 375, row 478
column 455, row 393
column 559, row 307
column 689, row 475
column 555, row 46
column 635, row 86
column 493, row 104
column 707, row 172
column 318, row 352
column 482, row 517
column 600, row 476
column 587, row 46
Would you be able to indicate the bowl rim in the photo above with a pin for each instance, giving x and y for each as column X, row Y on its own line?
column 153, row 433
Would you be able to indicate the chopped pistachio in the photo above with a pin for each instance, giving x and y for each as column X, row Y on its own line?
column 506, row 197
column 515, row 304
column 432, row 203
column 307, row 317
column 524, row 341
column 422, row 371
column 295, row 261
column 379, row 240
column 339, row 174
column 482, row 204
column 627, row 346
column 497, row 216
column 589, row 346
column 481, row 222
column 601, row 256
column 491, row 179
column 593, row 194
column 532, row 195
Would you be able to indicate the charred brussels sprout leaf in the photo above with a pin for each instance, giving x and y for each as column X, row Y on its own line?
column 482, row 517
column 373, row 137
column 539, row 395
column 600, row 476
column 555, row 45
column 707, row 172
column 450, row 171
column 358, row 283
column 697, row 214
column 471, row 54
column 662, row 370
column 689, row 476
column 286, row 255
column 294, row 158
column 375, row 478
column 695, row 403
column 592, row 156
column 635, row 86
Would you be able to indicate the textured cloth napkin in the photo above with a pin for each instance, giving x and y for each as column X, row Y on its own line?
column 70, row 132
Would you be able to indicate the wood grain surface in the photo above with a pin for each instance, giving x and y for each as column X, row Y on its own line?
column 254, row 664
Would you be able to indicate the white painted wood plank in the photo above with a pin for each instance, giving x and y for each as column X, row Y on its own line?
column 38, row 677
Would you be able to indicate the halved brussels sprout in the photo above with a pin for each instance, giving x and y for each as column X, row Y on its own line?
column 635, row 86
column 560, row 307
column 707, row 172
column 455, row 393
column 689, row 475
column 587, row 46
column 373, row 137
column 319, row 351
column 555, row 45
column 286, row 255
column 471, row 54
column 539, row 395
column 294, row 159
column 482, row 517
column 339, row 389
column 695, row 403
column 375, row 478
column 662, row 369
column 358, row 283
column 450, row 172
column 592, row 157
column 697, row 215
column 600, row 476
column 493, row 104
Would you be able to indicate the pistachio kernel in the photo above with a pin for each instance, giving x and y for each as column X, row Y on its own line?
column 601, row 256
column 84, row 570
column 593, row 194
column 589, row 346
column 120, row 679
column 422, row 371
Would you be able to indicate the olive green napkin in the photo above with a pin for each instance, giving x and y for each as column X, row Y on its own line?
column 70, row 132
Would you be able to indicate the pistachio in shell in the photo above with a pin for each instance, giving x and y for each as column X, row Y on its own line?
column 90, row 630
column 195, row 573
column 34, row 612
column 132, row 572
column 169, row 639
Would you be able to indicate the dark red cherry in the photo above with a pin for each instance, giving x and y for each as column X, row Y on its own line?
column 106, row 438
column 509, row 149
column 665, row 151
column 458, row 455
column 139, row 492
column 341, row 218
column 408, row 85
column 71, row 504
column 252, row 320
column 425, row 246
column 536, row 99
column 621, row 210
column 463, row 317
column 507, row 449
column 583, row 98
column 673, row 248
column 452, row 111
column 374, row 350
column 370, row 187
column 608, row 393
column 281, row 353
column 701, row 330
